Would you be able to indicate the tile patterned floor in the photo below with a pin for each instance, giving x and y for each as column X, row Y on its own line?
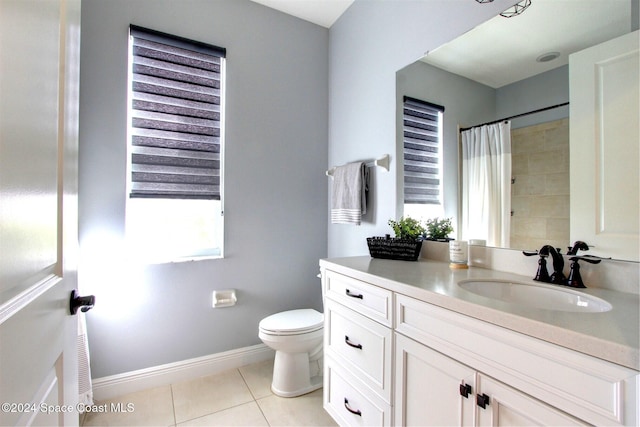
column 239, row 397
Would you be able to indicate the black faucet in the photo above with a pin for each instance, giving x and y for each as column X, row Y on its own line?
column 542, row 275
column 578, row 245
column 558, row 276
column 575, row 279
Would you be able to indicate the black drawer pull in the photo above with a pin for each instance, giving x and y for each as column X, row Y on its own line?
column 346, row 405
column 349, row 343
column 354, row 295
column 482, row 400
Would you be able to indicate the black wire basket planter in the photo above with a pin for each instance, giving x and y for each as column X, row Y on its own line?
column 392, row 248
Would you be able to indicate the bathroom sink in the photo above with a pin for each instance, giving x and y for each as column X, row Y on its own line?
column 547, row 297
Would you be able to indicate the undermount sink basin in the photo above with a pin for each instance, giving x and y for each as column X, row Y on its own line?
column 547, row 297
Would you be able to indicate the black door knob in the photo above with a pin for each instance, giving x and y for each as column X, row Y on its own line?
column 76, row 301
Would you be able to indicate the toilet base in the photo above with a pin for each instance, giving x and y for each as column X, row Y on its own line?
column 314, row 384
column 292, row 375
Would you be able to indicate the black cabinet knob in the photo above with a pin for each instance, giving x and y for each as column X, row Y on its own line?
column 482, row 400
column 465, row 390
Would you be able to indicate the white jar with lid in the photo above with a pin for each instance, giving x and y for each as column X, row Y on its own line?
column 458, row 253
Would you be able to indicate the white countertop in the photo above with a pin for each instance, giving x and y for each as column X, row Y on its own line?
column 613, row 335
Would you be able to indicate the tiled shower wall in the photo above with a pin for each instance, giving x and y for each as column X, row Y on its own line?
column 540, row 193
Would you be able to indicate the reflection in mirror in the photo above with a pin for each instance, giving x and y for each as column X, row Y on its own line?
column 504, row 68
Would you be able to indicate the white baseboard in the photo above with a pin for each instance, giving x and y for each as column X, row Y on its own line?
column 129, row 382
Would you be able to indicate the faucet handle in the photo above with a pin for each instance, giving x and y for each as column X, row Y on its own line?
column 542, row 275
column 591, row 259
column 575, row 278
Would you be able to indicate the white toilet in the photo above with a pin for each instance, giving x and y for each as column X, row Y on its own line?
column 296, row 336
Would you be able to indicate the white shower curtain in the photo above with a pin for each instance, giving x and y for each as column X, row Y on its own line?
column 486, row 183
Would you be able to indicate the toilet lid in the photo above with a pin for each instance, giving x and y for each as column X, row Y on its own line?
column 293, row 321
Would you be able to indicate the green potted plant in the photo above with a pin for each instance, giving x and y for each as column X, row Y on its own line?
column 439, row 229
column 407, row 228
column 405, row 245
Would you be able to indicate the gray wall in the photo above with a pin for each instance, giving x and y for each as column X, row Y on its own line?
column 368, row 44
column 544, row 90
column 275, row 187
column 466, row 103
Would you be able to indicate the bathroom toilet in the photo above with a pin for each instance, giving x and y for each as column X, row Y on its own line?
column 296, row 336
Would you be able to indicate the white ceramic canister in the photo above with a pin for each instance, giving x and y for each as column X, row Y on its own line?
column 458, row 253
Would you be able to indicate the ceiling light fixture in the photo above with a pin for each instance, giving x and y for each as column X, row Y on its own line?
column 484, row 1
column 516, row 9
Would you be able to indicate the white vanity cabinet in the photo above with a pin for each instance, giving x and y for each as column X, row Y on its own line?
column 433, row 389
column 421, row 364
column 525, row 379
column 358, row 351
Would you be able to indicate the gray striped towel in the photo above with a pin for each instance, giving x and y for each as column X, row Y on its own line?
column 349, row 193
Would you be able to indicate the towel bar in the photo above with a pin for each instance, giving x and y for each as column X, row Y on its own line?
column 383, row 162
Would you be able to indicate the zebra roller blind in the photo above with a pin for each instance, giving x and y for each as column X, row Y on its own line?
column 422, row 151
column 176, row 116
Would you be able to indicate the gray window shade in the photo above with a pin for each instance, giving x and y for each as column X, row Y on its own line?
column 421, row 131
column 176, row 117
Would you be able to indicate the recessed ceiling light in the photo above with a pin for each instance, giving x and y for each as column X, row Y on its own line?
column 549, row 56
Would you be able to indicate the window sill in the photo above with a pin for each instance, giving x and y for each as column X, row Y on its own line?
column 204, row 256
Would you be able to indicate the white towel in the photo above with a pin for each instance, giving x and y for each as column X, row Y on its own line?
column 84, row 371
column 349, row 193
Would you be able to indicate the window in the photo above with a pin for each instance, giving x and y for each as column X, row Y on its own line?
column 422, row 136
column 176, row 121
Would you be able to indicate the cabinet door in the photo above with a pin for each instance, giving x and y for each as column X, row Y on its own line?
column 505, row 406
column 428, row 387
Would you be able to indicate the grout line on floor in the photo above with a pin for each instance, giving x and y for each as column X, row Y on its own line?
column 255, row 399
column 222, row 410
column 246, row 383
column 262, row 412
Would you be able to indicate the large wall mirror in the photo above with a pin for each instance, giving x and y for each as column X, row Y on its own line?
column 510, row 67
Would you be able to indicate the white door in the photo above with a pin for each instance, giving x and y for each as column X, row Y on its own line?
column 39, row 78
column 431, row 388
column 604, row 147
column 505, row 406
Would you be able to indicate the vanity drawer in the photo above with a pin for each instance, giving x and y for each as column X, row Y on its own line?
column 590, row 389
column 348, row 402
column 361, row 345
column 371, row 301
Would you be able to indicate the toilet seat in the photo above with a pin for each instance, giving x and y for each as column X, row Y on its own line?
column 292, row 322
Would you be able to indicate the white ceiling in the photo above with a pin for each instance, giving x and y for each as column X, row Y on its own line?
column 504, row 50
column 321, row 12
